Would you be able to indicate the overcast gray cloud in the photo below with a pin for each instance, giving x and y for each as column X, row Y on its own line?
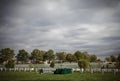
column 61, row 25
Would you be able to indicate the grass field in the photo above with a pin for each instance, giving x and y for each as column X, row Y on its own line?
column 76, row 76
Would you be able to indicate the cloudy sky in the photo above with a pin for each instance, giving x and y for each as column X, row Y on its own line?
column 61, row 25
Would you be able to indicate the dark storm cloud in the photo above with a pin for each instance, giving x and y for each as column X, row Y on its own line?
column 7, row 8
column 61, row 25
column 93, row 4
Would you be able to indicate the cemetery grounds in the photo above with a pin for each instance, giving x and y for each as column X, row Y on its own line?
column 75, row 76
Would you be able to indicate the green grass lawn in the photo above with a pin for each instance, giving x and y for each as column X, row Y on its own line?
column 76, row 76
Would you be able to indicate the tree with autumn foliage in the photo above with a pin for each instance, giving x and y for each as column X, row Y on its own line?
column 61, row 56
column 6, row 54
column 23, row 56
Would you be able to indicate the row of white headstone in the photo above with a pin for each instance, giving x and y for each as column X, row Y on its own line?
column 95, row 70
column 45, row 70
column 114, row 71
column 48, row 70
column 17, row 69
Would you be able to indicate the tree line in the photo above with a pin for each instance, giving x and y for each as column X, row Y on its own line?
column 9, row 58
column 39, row 56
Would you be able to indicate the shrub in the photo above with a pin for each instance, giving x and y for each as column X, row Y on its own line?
column 117, row 65
column 10, row 64
column 83, row 63
column 52, row 64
